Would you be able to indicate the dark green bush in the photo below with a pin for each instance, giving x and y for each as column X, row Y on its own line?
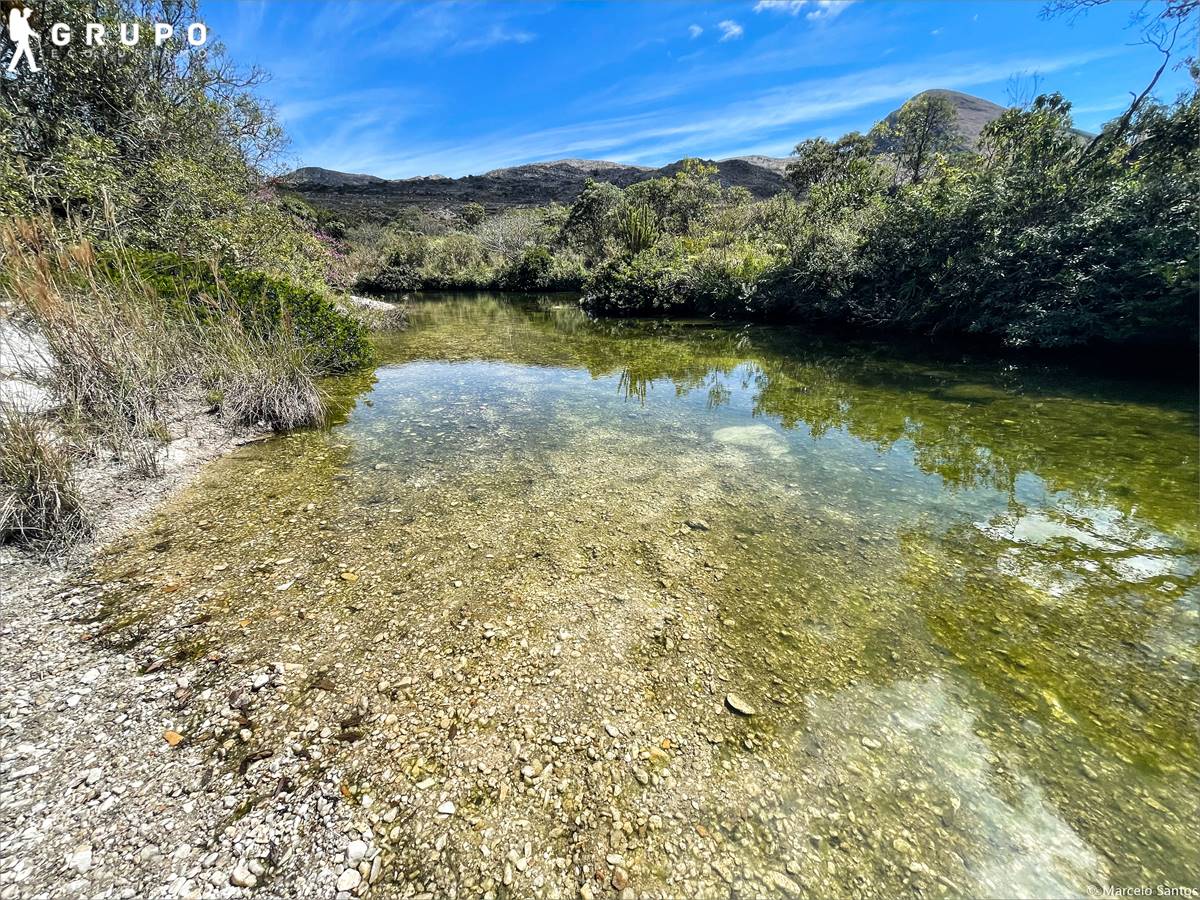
column 651, row 283
column 265, row 303
column 530, row 272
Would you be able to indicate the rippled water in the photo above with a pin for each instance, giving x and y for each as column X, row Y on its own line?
column 961, row 597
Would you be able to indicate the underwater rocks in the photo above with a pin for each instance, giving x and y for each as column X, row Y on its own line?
column 739, row 706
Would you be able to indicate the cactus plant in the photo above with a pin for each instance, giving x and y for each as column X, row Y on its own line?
column 637, row 228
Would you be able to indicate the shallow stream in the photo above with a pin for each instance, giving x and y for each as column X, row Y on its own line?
column 960, row 598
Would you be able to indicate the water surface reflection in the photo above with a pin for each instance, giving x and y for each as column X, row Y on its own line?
column 962, row 597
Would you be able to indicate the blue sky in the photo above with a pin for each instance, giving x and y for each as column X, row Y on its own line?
column 456, row 88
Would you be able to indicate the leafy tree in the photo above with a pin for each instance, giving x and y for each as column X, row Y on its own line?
column 819, row 161
column 472, row 214
column 167, row 141
column 923, row 127
column 683, row 200
column 591, row 219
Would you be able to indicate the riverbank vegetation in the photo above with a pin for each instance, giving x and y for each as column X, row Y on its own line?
column 148, row 259
column 39, row 502
column 146, row 263
column 1041, row 237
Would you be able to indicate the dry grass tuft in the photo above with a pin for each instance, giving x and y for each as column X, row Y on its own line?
column 39, row 503
column 264, row 381
column 112, row 357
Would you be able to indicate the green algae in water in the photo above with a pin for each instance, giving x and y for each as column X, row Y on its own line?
column 965, row 594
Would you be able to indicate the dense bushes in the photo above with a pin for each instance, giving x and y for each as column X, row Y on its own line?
column 124, row 171
column 1039, row 239
column 518, row 250
column 1035, row 242
column 650, row 283
column 161, row 145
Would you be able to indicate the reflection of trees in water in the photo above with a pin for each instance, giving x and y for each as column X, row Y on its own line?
column 970, row 424
column 961, row 424
column 632, row 386
column 1074, row 663
column 718, row 395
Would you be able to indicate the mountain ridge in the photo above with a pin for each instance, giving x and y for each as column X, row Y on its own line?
column 532, row 184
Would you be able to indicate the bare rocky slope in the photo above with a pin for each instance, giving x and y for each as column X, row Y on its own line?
column 358, row 197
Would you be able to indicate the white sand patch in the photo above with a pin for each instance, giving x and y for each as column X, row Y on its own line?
column 24, row 365
column 759, row 438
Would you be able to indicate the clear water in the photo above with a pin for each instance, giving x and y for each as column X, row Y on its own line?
column 962, row 598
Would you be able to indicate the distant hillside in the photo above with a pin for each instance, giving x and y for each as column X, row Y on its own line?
column 367, row 197
column 315, row 179
column 357, row 197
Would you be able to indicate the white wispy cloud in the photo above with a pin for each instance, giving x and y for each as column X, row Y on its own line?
column 817, row 9
column 769, row 120
column 447, row 28
column 791, row 7
column 496, row 34
column 730, row 30
column 694, row 31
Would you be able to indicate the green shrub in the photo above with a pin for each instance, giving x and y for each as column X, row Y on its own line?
column 727, row 279
column 396, row 266
column 264, row 304
column 652, row 283
column 457, row 260
column 530, row 271
column 637, row 228
column 568, row 271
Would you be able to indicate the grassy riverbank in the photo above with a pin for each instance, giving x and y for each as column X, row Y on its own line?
column 147, row 273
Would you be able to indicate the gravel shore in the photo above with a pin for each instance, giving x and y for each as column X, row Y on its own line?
column 80, row 726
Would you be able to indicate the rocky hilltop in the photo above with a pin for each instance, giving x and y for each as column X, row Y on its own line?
column 534, row 184
column 369, row 197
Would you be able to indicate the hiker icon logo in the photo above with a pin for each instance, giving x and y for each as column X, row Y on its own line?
column 95, row 34
column 20, row 34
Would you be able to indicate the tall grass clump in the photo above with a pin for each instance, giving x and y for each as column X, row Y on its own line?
column 39, row 503
column 112, row 357
column 262, row 380
column 122, row 344
column 124, row 349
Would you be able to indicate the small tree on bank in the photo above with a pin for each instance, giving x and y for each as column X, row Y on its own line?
column 924, row 127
